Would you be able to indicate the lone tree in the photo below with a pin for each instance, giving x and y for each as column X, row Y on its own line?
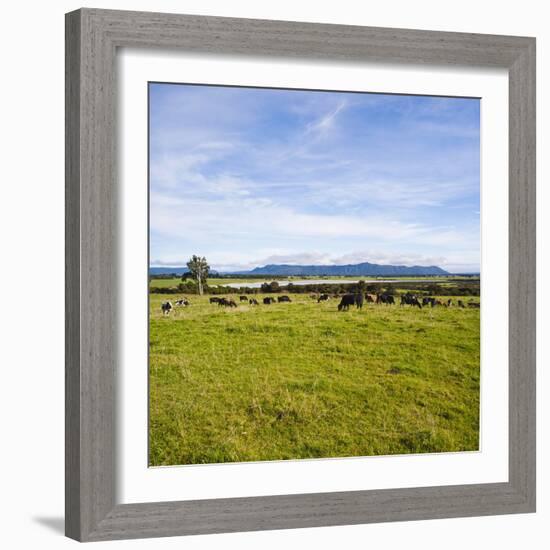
column 199, row 269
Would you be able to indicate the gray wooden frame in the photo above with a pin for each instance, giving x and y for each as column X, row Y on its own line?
column 92, row 38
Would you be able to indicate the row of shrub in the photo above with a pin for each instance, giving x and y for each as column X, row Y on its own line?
column 424, row 289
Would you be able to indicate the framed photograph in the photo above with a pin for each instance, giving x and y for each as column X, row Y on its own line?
column 300, row 275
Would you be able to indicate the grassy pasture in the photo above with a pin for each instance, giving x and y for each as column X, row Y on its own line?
column 302, row 380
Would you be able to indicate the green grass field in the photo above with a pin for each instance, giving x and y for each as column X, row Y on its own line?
column 175, row 281
column 302, row 380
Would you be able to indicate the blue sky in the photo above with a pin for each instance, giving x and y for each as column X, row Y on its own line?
column 248, row 177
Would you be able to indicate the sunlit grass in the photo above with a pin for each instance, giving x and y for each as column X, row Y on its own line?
column 302, row 380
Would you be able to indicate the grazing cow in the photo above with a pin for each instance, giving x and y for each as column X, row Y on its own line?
column 214, row 300
column 268, row 300
column 440, row 303
column 411, row 300
column 323, row 298
column 385, row 299
column 371, row 298
column 473, row 304
column 253, row 302
column 346, row 301
column 183, row 302
column 350, row 300
column 243, row 298
column 226, row 303
column 449, row 302
column 460, row 303
column 283, row 299
column 166, row 308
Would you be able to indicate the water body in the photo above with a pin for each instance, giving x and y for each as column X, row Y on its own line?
column 258, row 284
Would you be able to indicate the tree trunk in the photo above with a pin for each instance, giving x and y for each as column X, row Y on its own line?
column 199, row 281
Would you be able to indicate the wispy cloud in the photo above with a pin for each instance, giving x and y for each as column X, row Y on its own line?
column 327, row 121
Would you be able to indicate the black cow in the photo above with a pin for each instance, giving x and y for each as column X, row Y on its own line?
column 183, row 302
column 323, row 298
column 411, row 300
column 283, row 299
column 460, row 303
column 350, row 300
column 243, row 298
column 226, row 303
column 253, row 302
column 268, row 300
column 385, row 299
column 214, row 300
column 166, row 308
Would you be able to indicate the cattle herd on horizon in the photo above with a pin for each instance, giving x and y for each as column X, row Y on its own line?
column 346, row 301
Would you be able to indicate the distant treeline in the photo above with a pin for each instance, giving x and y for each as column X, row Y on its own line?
column 253, row 277
column 458, row 287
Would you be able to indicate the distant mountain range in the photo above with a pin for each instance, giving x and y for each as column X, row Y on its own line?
column 355, row 270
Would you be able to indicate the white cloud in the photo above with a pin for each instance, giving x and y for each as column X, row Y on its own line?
column 173, row 216
column 326, row 122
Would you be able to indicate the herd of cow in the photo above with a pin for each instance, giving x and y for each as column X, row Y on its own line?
column 252, row 301
column 346, row 301
column 406, row 299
